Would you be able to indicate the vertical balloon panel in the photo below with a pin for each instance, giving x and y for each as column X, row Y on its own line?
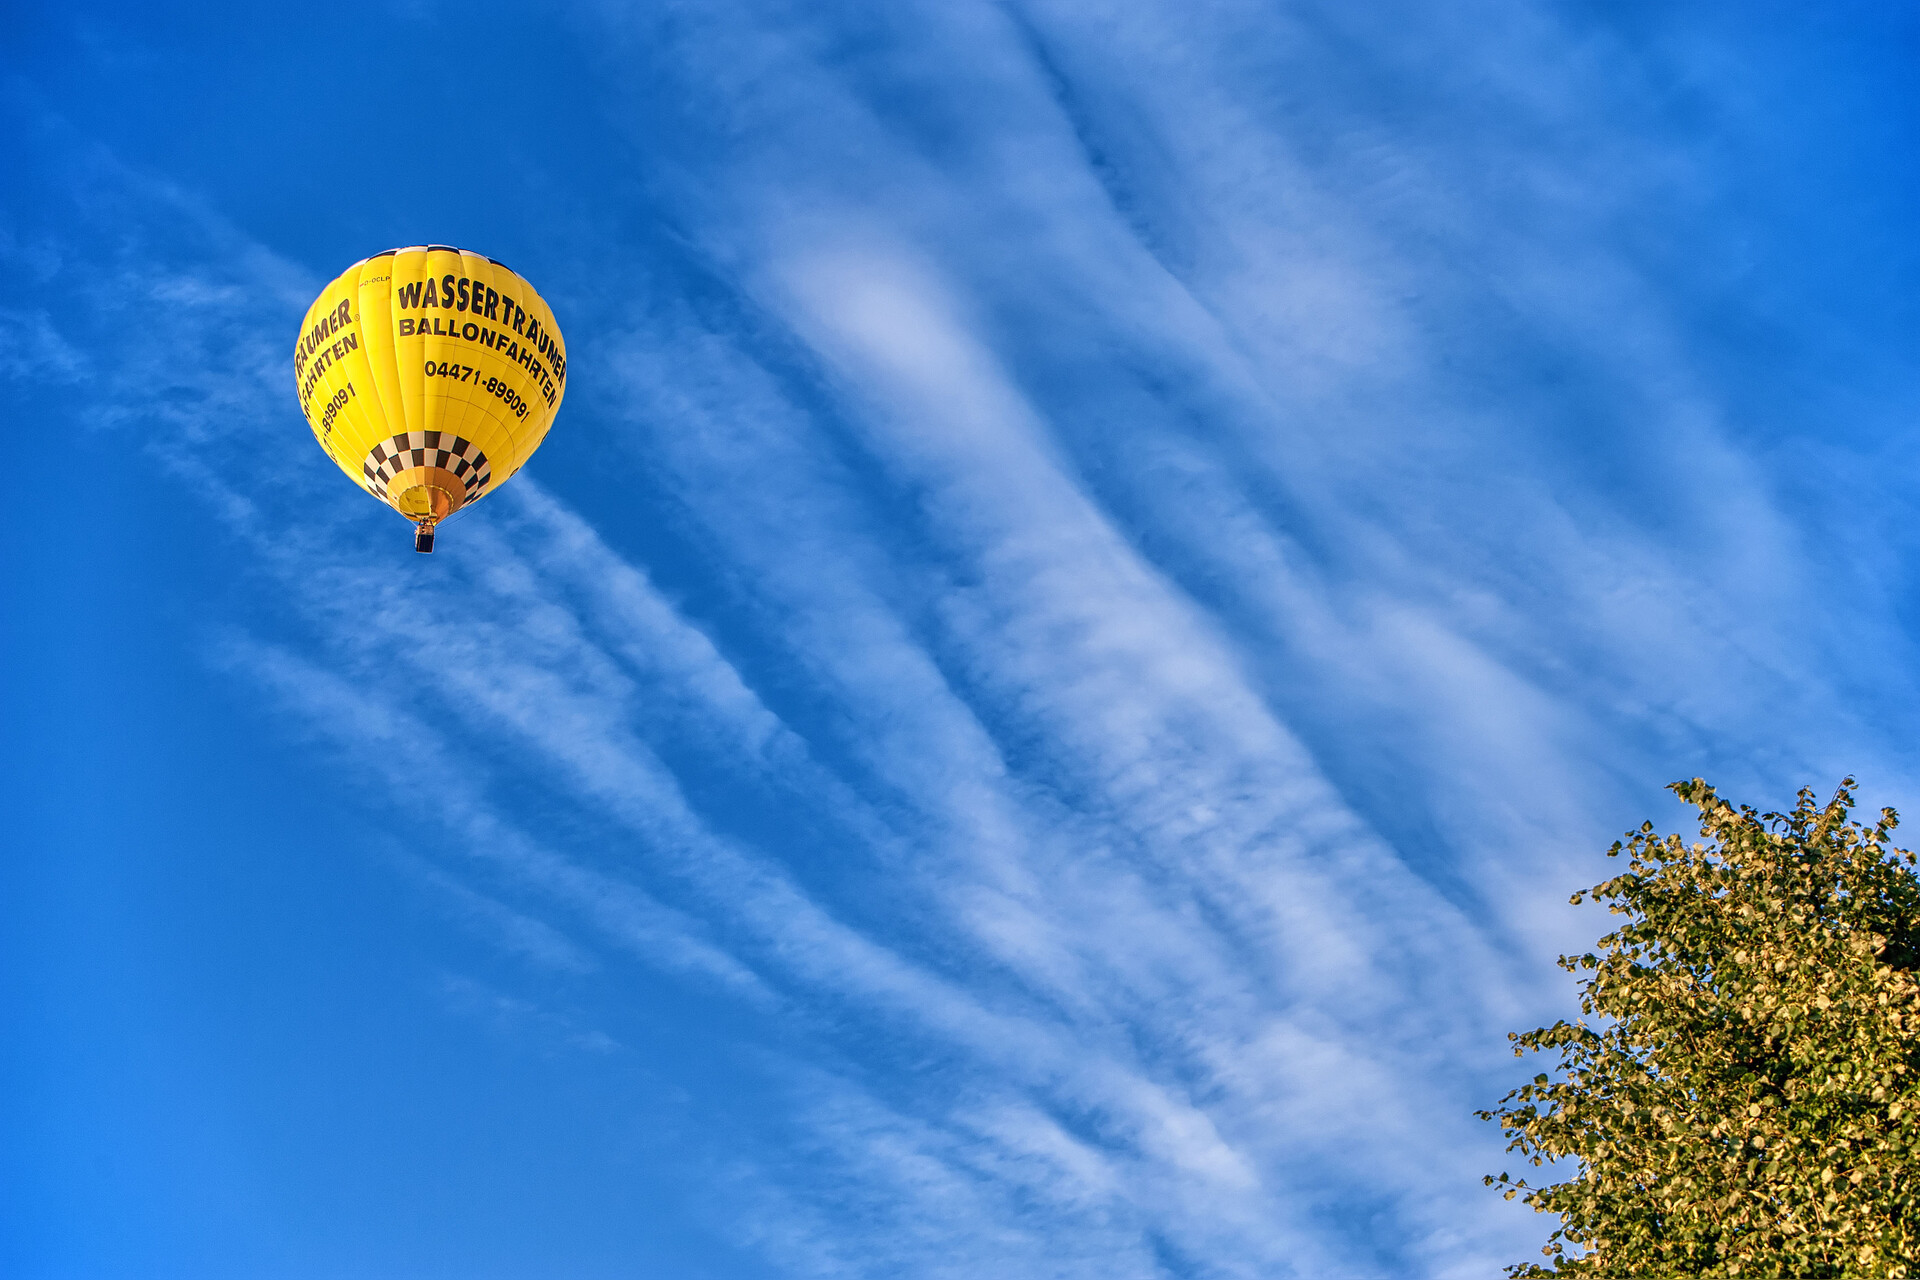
column 331, row 361
column 372, row 301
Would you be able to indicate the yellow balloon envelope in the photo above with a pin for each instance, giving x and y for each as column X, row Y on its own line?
column 430, row 375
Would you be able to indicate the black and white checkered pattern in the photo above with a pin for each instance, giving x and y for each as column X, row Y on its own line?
column 427, row 449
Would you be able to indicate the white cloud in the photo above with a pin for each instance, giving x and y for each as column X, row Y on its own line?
column 1186, row 678
column 31, row 348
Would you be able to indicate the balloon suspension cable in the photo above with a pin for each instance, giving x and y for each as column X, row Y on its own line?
column 423, row 536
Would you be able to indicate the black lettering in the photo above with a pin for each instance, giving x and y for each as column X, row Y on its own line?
column 446, row 293
column 351, row 342
column 519, row 320
column 462, row 305
column 406, row 322
column 432, row 299
column 493, row 300
column 334, row 406
column 533, row 334
column 345, row 314
column 410, row 295
column 469, row 331
column 488, row 337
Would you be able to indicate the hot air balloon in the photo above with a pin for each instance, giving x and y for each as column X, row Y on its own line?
column 430, row 375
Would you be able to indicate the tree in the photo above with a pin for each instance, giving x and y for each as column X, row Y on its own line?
column 1743, row 1102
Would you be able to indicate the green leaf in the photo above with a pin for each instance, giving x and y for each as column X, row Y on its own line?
column 1739, row 1105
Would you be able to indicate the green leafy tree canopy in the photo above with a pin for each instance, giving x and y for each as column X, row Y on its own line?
column 1740, row 1096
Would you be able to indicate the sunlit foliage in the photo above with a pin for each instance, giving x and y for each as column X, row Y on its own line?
column 1739, row 1097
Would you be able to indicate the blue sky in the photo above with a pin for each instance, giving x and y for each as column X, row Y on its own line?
column 1105, row 570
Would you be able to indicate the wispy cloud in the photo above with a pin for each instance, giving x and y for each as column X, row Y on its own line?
column 1199, row 524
